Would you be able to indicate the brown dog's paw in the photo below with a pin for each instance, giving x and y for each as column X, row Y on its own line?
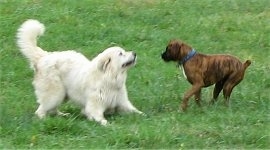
column 183, row 107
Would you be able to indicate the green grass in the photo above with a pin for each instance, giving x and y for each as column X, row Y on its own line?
column 237, row 27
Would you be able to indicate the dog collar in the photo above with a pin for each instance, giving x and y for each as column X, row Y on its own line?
column 189, row 55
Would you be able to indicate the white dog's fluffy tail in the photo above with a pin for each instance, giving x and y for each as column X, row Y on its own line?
column 27, row 40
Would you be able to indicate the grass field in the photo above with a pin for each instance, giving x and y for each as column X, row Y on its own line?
column 237, row 27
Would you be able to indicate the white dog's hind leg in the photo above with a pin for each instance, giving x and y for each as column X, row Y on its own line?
column 59, row 113
column 50, row 94
column 49, row 105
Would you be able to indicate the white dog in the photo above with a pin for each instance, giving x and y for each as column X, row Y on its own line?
column 98, row 86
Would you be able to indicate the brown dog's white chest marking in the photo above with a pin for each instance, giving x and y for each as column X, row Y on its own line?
column 183, row 70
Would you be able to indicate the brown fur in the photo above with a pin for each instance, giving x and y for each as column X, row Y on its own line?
column 225, row 71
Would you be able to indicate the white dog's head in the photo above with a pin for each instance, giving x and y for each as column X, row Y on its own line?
column 116, row 59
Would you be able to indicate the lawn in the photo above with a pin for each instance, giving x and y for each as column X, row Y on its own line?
column 237, row 27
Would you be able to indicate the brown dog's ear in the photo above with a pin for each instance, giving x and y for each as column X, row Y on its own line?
column 177, row 45
column 184, row 49
column 176, row 48
column 104, row 63
column 185, row 46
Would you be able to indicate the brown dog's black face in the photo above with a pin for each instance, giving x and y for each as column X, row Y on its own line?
column 172, row 52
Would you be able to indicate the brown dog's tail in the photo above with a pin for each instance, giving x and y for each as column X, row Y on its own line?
column 246, row 64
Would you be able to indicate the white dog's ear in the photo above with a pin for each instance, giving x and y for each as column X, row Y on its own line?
column 104, row 63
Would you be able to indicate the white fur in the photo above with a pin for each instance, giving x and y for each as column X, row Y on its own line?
column 97, row 86
column 183, row 71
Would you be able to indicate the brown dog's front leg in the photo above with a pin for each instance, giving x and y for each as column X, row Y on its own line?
column 198, row 98
column 189, row 93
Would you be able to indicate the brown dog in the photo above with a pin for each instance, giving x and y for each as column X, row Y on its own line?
column 225, row 71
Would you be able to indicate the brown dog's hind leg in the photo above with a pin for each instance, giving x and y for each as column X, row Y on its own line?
column 227, row 90
column 217, row 90
column 230, row 83
column 195, row 89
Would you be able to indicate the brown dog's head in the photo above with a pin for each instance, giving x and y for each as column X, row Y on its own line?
column 175, row 51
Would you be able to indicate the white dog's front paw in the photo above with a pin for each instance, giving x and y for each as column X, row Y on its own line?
column 41, row 114
column 141, row 113
column 104, row 122
column 144, row 114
